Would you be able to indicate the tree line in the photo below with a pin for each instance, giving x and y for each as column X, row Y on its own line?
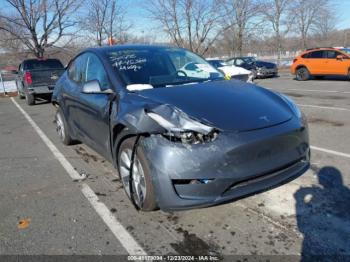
column 203, row 26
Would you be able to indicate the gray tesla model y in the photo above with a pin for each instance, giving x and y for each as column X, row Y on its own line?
column 179, row 136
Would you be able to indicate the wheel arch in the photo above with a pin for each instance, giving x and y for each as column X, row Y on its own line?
column 120, row 133
column 301, row 66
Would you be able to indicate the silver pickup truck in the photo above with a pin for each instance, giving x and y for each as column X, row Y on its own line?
column 36, row 78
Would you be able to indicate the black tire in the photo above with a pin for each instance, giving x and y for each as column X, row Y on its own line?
column 302, row 74
column 149, row 202
column 30, row 99
column 20, row 94
column 62, row 128
column 349, row 75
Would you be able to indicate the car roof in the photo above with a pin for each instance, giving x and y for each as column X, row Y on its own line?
column 321, row 49
column 105, row 49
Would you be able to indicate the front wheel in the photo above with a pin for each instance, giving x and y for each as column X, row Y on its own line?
column 142, row 188
column 254, row 73
column 302, row 74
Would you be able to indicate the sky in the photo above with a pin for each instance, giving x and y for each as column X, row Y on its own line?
column 343, row 12
column 143, row 26
column 139, row 17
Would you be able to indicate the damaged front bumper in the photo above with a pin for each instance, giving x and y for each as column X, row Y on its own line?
column 230, row 167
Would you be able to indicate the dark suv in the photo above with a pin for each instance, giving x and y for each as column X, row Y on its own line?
column 260, row 69
column 37, row 78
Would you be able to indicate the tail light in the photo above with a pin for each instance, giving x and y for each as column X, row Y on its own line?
column 295, row 60
column 28, row 78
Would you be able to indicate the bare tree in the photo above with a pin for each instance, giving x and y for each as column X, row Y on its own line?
column 117, row 26
column 325, row 24
column 240, row 16
column 105, row 19
column 194, row 24
column 308, row 13
column 275, row 12
column 38, row 24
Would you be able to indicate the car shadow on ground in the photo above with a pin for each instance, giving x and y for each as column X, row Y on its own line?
column 323, row 217
column 42, row 101
column 327, row 78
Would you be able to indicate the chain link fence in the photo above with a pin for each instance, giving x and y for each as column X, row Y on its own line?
column 8, row 81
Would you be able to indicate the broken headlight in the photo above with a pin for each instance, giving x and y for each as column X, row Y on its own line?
column 190, row 137
column 185, row 130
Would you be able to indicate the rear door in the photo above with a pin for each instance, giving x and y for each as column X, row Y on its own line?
column 337, row 66
column 316, row 62
column 71, row 94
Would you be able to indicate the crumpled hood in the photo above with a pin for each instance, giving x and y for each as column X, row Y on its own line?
column 226, row 105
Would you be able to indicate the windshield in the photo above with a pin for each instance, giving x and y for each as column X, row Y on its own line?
column 346, row 50
column 162, row 67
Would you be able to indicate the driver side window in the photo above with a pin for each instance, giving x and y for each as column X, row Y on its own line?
column 95, row 71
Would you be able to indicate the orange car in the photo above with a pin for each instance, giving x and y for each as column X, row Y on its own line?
column 318, row 62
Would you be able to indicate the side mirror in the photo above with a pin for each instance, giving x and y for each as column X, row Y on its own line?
column 92, row 87
column 340, row 57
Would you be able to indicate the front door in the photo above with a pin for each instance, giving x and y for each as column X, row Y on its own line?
column 337, row 66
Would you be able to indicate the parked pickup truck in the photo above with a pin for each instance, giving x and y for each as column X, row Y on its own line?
column 37, row 78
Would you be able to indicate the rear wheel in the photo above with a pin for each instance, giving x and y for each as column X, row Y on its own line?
column 302, row 74
column 61, row 128
column 142, row 187
column 349, row 74
column 20, row 94
column 30, row 99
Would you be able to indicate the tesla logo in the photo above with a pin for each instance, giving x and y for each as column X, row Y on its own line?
column 265, row 118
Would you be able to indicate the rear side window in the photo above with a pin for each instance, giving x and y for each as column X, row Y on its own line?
column 77, row 68
column 43, row 64
column 316, row 54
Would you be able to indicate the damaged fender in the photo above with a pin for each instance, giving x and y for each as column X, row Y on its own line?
column 140, row 117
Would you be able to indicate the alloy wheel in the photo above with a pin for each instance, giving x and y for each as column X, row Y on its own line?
column 60, row 127
column 138, row 177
